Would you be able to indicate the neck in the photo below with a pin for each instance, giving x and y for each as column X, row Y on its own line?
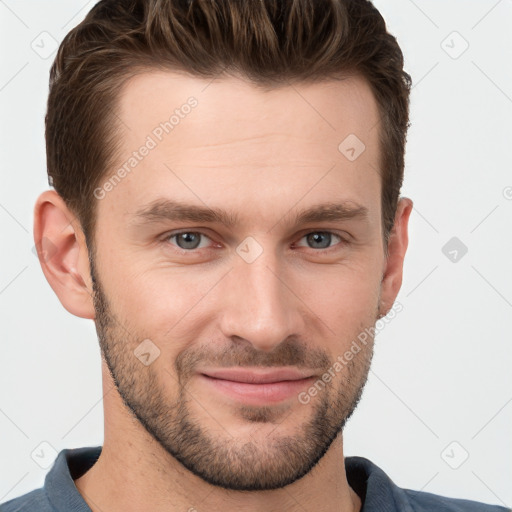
column 135, row 473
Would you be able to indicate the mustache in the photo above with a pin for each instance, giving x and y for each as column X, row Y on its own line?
column 241, row 354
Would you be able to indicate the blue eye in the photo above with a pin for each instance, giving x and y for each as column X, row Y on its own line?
column 320, row 239
column 192, row 240
column 188, row 240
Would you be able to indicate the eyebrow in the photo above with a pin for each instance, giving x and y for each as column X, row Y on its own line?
column 161, row 210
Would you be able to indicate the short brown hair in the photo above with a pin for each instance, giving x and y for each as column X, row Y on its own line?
column 270, row 42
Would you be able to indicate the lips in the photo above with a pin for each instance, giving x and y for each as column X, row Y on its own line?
column 256, row 386
column 258, row 376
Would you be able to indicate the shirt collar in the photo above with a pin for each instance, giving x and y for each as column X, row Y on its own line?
column 376, row 490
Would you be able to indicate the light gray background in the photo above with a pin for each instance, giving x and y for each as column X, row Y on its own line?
column 441, row 372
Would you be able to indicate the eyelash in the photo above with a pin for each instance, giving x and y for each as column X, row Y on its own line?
column 343, row 241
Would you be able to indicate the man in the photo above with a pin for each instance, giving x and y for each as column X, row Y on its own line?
column 226, row 209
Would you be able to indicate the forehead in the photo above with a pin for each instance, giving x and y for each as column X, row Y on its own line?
column 210, row 136
column 232, row 108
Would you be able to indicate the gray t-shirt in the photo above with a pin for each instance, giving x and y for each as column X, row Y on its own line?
column 376, row 490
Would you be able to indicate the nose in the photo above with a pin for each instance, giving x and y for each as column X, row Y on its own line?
column 259, row 303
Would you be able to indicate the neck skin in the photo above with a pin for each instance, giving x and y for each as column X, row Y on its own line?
column 135, row 473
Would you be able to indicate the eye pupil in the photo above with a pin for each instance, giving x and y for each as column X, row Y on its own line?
column 190, row 240
column 320, row 237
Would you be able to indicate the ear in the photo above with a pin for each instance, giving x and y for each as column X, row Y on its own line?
column 393, row 264
column 63, row 254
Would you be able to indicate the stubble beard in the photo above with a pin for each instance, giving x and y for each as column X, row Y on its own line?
column 235, row 464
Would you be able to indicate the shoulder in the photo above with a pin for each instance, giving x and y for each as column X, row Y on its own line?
column 59, row 491
column 379, row 493
column 426, row 502
column 35, row 500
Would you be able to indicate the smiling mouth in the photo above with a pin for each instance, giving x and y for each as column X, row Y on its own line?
column 258, row 386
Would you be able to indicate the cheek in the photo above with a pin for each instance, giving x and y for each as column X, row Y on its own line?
column 346, row 300
column 342, row 292
column 164, row 304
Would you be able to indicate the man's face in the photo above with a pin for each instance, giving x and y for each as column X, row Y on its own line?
column 264, row 292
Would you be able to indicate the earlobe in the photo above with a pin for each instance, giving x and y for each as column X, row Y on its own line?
column 63, row 254
column 397, row 247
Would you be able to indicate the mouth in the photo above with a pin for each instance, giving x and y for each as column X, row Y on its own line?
column 257, row 386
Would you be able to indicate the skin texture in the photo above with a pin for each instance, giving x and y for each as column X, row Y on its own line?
column 172, row 441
